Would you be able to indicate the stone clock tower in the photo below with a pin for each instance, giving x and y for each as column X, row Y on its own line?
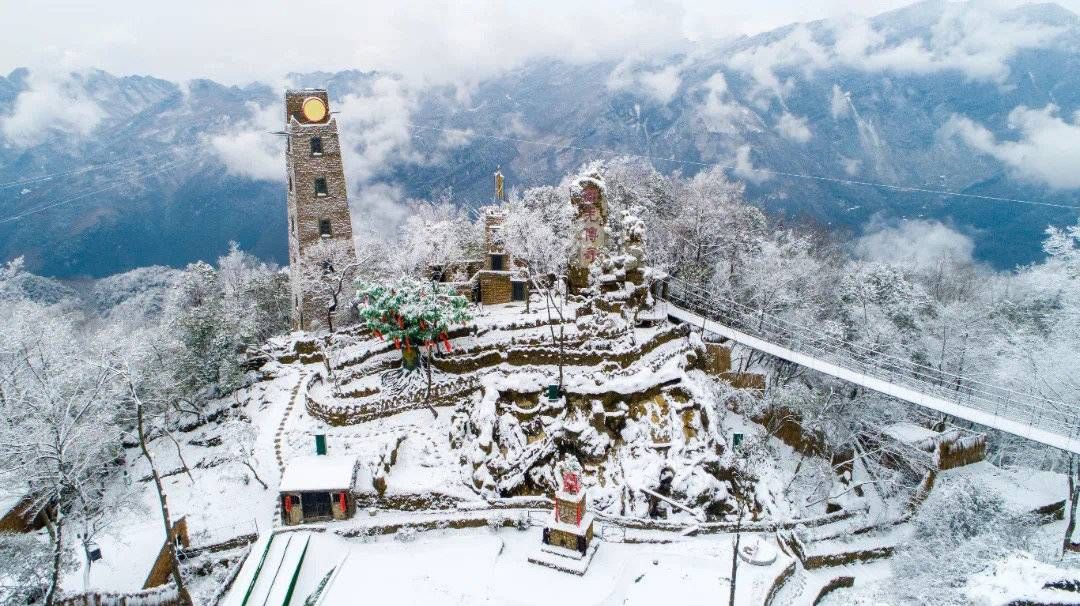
column 317, row 202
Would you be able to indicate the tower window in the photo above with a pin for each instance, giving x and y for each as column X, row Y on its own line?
column 320, row 186
column 316, row 146
column 290, row 182
column 324, row 227
column 292, row 224
column 497, row 262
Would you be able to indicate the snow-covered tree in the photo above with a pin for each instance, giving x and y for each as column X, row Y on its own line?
column 536, row 233
column 962, row 527
column 255, row 304
column 434, row 234
column 327, row 271
column 57, row 428
column 241, row 436
column 415, row 314
column 149, row 409
column 25, row 575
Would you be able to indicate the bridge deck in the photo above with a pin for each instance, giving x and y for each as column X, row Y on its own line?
column 1023, row 430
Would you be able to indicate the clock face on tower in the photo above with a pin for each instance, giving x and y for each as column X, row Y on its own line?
column 314, row 109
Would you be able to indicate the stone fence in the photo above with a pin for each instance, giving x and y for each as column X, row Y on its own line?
column 379, row 407
column 834, row 584
column 778, row 584
column 724, row 527
column 549, row 355
column 813, row 561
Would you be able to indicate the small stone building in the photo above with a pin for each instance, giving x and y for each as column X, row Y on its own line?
column 317, row 488
column 494, row 279
column 940, row 448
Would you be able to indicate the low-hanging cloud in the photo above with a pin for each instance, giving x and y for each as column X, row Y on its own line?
column 1047, row 149
column 720, row 112
column 744, row 167
column 378, row 209
column 794, row 128
column 660, row 84
column 249, row 150
column 916, row 243
column 52, row 103
column 974, row 39
column 839, row 103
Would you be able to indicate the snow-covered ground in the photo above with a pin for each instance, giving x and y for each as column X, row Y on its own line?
column 491, row 567
column 219, row 499
column 435, row 467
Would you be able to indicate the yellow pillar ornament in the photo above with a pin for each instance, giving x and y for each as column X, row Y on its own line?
column 500, row 194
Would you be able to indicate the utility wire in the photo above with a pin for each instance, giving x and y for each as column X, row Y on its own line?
column 93, row 167
column 115, row 184
column 779, row 173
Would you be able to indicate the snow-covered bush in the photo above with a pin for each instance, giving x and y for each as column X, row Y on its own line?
column 958, row 531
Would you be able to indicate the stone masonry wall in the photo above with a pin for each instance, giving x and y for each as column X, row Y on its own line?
column 306, row 209
column 495, row 287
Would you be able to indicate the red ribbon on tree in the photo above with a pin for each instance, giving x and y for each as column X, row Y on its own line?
column 397, row 343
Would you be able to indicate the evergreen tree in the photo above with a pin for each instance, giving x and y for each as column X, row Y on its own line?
column 414, row 314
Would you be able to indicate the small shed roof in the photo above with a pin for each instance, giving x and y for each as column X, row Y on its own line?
column 909, row 433
column 316, row 473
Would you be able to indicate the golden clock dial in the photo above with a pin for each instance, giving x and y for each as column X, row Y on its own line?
column 314, row 109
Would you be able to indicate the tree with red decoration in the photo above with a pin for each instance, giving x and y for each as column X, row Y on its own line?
column 416, row 315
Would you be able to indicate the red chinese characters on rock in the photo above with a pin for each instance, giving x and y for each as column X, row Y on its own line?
column 591, row 233
column 571, row 483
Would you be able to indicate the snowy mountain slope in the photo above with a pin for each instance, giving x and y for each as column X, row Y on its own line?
column 937, row 96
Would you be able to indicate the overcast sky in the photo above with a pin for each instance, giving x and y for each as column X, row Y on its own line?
column 238, row 41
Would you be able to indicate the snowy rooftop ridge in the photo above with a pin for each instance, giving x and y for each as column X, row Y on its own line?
column 314, row 473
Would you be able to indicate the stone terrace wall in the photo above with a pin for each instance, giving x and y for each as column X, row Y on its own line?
column 548, row 355
column 376, row 408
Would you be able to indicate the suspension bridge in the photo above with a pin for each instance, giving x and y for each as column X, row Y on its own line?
column 1028, row 416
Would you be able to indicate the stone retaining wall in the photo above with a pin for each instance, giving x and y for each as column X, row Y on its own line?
column 829, row 560
column 778, row 584
column 376, row 408
column 833, row 585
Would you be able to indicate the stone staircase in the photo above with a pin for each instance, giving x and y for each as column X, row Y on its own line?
column 293, row 396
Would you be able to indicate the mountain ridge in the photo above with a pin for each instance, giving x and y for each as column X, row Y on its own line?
column 796, row 99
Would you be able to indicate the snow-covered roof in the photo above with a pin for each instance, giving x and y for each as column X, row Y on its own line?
column 909, row 433
column 8, row 501
column 313, row 473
